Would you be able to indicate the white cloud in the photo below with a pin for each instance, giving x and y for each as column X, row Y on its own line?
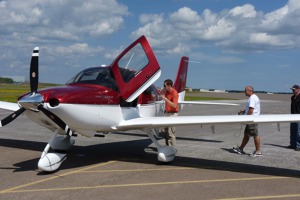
column 70, row 19
column 62, row 28
column 247, row 11
column 222, row 29
column 185, row 15
column 74, row 50
column 2, row 4
column 146, row 18
column 106, row 27
column 284, row 20
column 241, row 28
column 265, row 39
column 273, row 19
column 179, row 49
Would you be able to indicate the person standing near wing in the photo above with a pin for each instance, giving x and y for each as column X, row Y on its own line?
column 171, row 109
column 295, row 126
column 252, row 108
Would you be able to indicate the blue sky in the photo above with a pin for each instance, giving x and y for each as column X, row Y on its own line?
column 233, row 43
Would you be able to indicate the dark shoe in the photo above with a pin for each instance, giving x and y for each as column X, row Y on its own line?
column 238, row 150
column 297, row 149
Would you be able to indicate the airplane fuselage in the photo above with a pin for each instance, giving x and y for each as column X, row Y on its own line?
column 90, row 103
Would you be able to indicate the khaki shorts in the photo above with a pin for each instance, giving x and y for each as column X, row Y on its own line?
column 251, row 130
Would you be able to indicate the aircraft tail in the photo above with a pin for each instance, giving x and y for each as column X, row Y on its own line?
column 180, row 81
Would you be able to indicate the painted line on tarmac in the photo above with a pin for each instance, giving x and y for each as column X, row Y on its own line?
column 265, row 197
column 135, row 170
column 11, row 190
column 140, row 184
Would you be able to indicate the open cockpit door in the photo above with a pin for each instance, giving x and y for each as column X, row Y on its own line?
column 135, row 69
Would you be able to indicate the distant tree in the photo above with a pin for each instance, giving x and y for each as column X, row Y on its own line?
column 6, row 80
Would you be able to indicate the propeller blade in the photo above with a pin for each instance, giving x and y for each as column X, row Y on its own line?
column 34, row 70
column 11, row 117
column 56, row 120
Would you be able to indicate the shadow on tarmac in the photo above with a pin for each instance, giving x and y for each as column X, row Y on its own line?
column 276, row 145
column 133, row 151
column 177, row 138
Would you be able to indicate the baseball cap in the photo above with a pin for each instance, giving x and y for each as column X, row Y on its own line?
column 295, row 87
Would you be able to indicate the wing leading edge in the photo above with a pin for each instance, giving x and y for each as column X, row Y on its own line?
column 155, row 122
column 9, row 106
column 207, row 103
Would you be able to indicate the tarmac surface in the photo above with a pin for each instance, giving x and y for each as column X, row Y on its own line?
column 124, row 165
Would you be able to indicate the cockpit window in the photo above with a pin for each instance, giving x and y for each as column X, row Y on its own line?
column 96, row 76
column 133, row 62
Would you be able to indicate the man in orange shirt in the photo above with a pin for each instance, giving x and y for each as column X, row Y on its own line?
column 171, row 109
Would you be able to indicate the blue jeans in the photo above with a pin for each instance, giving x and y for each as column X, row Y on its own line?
column 295, row 135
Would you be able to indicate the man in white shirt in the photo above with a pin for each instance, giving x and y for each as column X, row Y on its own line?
column 252, row 108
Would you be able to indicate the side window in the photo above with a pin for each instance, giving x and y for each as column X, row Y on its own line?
column 133, row 62
column 89, row 76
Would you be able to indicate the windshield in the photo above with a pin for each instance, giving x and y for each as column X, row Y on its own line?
column 96, row 76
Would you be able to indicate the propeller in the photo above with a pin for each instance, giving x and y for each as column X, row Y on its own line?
column 33, row 85
column 34, row 70
column 11, row 117
column 56, row 120
column 34, row 100
column 34, row 81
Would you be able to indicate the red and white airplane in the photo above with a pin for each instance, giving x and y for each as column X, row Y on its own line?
column 118, row 97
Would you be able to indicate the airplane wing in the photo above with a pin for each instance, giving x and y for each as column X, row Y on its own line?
column 155, row 122
column 9, row 106
column 206, row 103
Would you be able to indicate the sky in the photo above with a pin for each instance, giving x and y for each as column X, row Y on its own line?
column 230, row 43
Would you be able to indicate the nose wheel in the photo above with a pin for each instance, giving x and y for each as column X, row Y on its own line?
column 50, row 162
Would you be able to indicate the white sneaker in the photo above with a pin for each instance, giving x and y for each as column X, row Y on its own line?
column 256, row 154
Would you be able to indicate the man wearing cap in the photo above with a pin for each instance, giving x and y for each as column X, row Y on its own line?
column 295, row 127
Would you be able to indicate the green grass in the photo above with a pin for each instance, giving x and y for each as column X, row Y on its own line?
column 11, row 92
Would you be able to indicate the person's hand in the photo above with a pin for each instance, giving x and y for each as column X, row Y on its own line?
column 241, row 112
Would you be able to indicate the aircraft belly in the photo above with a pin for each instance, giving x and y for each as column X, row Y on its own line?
column 88, row 117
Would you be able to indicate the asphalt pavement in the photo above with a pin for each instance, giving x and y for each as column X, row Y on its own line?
column 124, row 165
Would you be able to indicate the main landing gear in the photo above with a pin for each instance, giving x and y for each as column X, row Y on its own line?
column 165, row 153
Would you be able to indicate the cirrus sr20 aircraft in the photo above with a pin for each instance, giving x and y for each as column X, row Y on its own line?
column 118, row 97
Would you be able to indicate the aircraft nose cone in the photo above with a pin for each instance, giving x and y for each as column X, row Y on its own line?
column 31, row 101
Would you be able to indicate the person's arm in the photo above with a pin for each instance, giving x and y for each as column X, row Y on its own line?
column 250, row 111
column 174, row 105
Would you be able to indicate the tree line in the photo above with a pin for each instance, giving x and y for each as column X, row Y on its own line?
column 6, row 80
